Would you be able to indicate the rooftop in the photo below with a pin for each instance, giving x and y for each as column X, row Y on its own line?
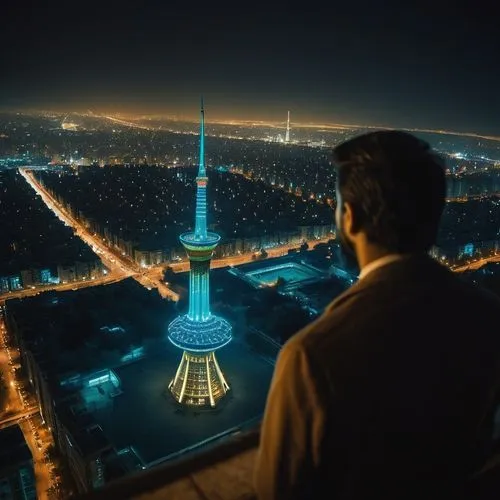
column 146, row 417
column 109, row 399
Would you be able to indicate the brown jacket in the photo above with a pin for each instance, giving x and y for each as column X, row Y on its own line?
column 390, row 394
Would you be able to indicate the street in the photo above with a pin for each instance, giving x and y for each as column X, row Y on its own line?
column 22, row 408
column 119, row 265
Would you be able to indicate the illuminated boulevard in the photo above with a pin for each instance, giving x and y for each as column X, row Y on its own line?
column 476, row 264
column 21, row 408
column 104, row 280
column 119, row 266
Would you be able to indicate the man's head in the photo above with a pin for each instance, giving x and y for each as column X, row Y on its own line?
column 391, row 190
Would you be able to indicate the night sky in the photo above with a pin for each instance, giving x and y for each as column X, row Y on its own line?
column 432, row 65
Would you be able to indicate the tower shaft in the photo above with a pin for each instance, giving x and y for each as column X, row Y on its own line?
column 199, row 290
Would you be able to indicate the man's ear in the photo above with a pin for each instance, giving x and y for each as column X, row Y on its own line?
column 348, row 218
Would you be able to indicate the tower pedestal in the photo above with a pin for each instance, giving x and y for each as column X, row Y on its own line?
column 199, row 381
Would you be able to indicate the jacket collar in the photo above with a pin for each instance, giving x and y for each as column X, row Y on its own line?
column 409, row 264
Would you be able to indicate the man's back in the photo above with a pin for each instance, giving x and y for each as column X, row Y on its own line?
column 396, row 381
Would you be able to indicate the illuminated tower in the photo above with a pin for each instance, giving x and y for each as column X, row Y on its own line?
column 199, row 380
column 287, row 135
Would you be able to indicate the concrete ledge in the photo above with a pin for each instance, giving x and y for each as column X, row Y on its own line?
column 222, row 472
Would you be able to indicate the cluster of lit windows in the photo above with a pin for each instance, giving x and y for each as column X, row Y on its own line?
column 136, row 201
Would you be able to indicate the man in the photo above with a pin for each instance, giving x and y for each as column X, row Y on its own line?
column 392, row 392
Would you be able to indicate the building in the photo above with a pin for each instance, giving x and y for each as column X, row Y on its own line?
column 17, row 478
column 28, row 278
column 199, row 381
column 66, row 273
column 287, row 134
column 95, row 362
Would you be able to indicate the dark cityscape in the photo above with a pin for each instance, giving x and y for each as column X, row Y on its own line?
column 169, row 202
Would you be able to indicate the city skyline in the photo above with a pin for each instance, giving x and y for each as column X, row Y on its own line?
column 396, row 67
column 123, row 263
column 122, row 117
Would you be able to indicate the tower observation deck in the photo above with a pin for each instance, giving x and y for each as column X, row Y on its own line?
column 199, row 380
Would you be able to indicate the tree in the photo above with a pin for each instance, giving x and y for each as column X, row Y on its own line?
column 280, row 282
column 3, row 393
column 169, row 274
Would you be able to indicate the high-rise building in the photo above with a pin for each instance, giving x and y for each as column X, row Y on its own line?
column 287, row 134
column 199, row 380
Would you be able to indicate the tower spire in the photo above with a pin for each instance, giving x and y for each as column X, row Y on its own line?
column 287, row 135
column 200, row 230
column 201, row 168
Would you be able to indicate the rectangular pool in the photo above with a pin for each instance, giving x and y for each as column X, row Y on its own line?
column 291, row 272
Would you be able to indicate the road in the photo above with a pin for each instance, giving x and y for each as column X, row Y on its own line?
column 42, row 469
column 17, row 401
column 23, row 408
column 473, row 266
column 29, row 292
column 118, row 265
column 114, row 265
column 18, row 417
column 236, row 260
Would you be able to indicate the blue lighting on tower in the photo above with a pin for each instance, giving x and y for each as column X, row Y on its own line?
column 199, row 333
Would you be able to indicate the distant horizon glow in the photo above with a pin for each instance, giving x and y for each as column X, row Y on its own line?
column 232, row 120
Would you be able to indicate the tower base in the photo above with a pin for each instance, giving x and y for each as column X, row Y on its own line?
column 198, row 381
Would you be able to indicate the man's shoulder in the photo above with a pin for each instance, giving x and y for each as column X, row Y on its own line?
column 371, row 302
column 335, row 320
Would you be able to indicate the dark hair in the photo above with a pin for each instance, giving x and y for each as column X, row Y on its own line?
column 396, row 186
